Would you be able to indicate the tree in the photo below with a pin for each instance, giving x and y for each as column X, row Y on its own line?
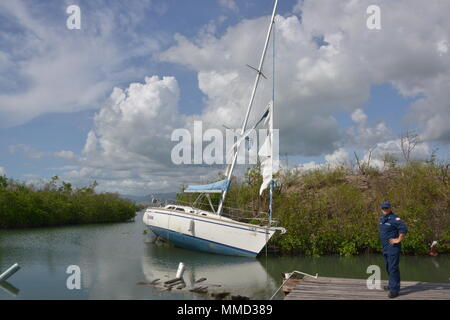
column 408, row 141
column 3, row 182
column 389, row 160
column 363, row 166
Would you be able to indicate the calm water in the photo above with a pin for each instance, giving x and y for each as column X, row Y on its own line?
column 114, row 258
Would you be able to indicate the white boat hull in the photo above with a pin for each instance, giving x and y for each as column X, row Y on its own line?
column 207, row 232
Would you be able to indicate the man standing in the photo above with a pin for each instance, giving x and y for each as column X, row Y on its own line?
column 392, row 232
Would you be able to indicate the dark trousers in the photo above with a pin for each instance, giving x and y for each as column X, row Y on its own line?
column 392, row 262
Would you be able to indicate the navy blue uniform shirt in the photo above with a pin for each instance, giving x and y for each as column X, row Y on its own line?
column 390, row 227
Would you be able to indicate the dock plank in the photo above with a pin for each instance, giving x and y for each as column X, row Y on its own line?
column 327, row 288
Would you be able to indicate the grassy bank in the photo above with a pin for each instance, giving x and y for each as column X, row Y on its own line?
column 336, row 210
column 58, row 203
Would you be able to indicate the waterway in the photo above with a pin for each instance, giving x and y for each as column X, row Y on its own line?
column 114, row 261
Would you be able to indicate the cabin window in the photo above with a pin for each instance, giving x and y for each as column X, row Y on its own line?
column 180, row 209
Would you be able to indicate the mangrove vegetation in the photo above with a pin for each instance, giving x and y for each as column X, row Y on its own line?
column 335, row 210
column 57, row 203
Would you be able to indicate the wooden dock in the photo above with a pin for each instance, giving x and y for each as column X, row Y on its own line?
column 324, row 288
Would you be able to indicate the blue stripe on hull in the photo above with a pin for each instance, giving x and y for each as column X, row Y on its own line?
column 193, row 243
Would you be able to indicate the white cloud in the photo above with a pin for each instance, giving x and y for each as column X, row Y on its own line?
column 432, row 113
column 68, row 155
column 26, row 150
column 229, row 4
column 409, row 55
column 362, row 135
column 359, row 117
column 138, row 120
column 338, row 158
column 53, row 69
column 91, row 143
column 220, row 62
column 307, row 166
column 421, row 152
column 128, row 143
column 129, row 148
column 442, row 47
column 313, row 83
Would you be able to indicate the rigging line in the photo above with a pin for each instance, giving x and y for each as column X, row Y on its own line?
column 247, row 133
column 258, row 71
column 273, row 63
column 272, row 120
column 290, row 275
column 252, row 97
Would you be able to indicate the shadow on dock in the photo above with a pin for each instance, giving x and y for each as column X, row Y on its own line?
column 423, row 287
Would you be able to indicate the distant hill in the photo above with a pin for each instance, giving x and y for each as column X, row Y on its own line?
column 147, row 199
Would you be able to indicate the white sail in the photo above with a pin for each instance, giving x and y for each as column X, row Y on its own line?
column 235, row 148
column 267, row 173
column 269, row 164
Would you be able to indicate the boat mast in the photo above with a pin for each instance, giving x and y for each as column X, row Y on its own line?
column 272, row 114
column 252, row 98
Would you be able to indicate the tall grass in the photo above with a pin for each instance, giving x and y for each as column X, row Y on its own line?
column 330, row 211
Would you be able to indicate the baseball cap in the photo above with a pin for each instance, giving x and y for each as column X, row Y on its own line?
column 385, row 204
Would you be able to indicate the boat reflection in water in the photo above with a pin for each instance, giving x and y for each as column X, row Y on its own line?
column 237, row 275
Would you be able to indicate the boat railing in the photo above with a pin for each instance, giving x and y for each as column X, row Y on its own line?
column 241, row 215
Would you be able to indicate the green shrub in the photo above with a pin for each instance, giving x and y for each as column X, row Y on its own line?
column 336, row 210
column 23, row 206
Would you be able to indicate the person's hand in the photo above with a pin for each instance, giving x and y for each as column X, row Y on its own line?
column 394, row 240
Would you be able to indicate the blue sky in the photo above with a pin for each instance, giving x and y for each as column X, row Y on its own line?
column 360, row 91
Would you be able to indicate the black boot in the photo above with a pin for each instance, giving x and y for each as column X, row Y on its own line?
column 392, row 294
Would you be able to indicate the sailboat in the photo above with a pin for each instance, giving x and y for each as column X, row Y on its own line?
column 210, row 231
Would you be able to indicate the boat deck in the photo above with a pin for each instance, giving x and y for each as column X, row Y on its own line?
column 325, row 288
